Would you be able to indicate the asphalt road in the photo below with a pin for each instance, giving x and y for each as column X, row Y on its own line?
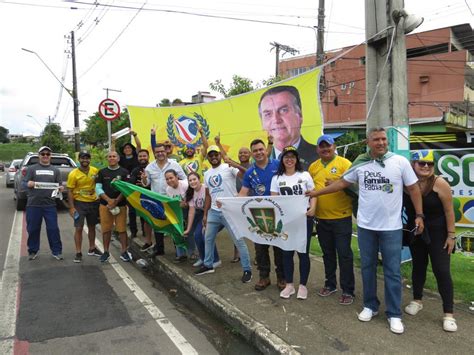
column 51, row 306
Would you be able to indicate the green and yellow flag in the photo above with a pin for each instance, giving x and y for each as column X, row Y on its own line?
column 163, row 213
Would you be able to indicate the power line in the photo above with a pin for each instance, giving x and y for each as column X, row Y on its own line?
column 114, row 41
column 465, row 1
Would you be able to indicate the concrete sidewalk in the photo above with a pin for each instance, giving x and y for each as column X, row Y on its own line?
column 318, row 324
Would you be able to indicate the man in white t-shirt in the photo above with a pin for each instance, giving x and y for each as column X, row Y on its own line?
column 220, row 182
column 381, row 177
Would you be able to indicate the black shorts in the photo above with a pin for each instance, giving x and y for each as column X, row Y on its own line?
column 88, row 211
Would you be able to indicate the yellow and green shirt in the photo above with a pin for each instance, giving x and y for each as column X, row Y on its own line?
column 336, row 205
column 194, row 164
column 82, row 185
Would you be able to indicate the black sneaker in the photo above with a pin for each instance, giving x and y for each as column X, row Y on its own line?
column 57, row 256
column 94, row 252
column 146, row 246
column 180, row 259
column 32, row 255
column 125, row 257
column 78, row 258
column 247, row 276
column 204, row 270
column 104, row 257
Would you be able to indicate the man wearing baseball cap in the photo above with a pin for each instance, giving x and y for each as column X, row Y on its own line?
column 193, row 162
column 44, row 182
column 83, row 203
column 220, row 181
column 334, row 216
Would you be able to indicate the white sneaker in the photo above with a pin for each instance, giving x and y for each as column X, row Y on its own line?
column 449, row 324
column 396, row 325
column 217, row 264
column 198, row 263
column 413, row 308
column 287, row 291
column 366, row 315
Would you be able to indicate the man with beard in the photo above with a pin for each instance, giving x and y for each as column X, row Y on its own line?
column 192, row 162
column 220, row 182
column 256, row 182
column 83, row 204
column 136, row 179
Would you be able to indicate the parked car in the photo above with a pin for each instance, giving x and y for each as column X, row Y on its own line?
column 2, row 166
column 62, row 161
column 12, row 169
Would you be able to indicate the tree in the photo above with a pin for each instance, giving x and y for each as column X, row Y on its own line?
column 4, row 135
column 357, row 146
column 238, row 86
column 53, row 137
column 164, row 103
column 177, row 102
column 95, row 133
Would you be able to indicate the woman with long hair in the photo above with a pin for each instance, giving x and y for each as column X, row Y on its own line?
column 438, row 239
column 195, row 196
column 292, row 180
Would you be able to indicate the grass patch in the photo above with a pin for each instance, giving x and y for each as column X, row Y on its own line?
column 462, row 269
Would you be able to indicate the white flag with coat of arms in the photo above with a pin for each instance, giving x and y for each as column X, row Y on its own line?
column 272, row 220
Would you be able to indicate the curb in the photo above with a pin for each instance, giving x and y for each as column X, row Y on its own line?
column 253, row 331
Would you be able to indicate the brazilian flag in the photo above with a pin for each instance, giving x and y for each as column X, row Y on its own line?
column 163, row 213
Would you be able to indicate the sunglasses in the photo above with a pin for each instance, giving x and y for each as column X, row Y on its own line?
column 45, row 154
column 429, row 164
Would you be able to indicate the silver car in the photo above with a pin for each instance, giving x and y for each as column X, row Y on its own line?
column 12, row 169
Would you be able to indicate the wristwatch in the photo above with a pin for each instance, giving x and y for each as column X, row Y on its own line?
column 421, row 215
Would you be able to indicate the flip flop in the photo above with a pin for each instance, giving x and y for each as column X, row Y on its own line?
column 235, row 260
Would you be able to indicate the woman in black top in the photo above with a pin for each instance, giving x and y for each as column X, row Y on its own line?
column 438, row 239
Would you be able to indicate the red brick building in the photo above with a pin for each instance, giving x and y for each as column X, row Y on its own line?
column 440, row 81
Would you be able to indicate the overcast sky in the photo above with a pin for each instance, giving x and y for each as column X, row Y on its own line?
column 150, row 55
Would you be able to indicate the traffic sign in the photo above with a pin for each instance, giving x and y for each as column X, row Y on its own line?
column 109, row 109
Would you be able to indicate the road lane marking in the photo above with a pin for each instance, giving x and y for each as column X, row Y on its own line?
column 9, row 287
column 175, row 336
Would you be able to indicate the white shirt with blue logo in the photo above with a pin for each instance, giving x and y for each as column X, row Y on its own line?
column 220, row 182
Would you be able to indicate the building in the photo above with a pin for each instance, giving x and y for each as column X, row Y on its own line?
column 440, row 82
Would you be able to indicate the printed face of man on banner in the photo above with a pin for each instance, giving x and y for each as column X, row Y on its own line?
column 280, row 113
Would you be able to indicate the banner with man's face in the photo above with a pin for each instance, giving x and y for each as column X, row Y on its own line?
column 289, row 111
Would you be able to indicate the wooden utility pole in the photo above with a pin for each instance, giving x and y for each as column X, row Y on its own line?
column 77, row 138
column 386, row 84
column 320, row 40
column 281, row 47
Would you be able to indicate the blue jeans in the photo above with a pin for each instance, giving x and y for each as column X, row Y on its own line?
column 215, row 222
column 334, row 236
column 390, row 245
column 305, row 263
column 34, row 219
column 196, row 230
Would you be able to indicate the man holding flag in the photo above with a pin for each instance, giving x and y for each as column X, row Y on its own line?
column 155, row 177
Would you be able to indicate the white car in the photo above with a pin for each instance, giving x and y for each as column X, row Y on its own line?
column 10, row 175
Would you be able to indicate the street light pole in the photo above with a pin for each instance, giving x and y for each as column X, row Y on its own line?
column 72, row 93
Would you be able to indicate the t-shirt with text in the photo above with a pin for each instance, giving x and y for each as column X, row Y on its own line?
column 381, row 192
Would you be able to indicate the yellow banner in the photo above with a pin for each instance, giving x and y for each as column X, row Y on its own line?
column 289, row 111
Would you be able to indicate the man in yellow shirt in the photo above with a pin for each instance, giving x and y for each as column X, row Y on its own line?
column 334, row 216
column 83, row 203
column 193, row 162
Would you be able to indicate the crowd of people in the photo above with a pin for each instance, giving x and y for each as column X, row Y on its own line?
column 386, row 183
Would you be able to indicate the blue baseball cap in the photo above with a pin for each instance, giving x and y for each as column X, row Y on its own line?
column 325, row 138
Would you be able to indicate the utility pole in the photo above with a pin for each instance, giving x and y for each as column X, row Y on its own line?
column 320, row 40
column 387, row 106
column 109, row 124
column 281, row 47
column 77, row 142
